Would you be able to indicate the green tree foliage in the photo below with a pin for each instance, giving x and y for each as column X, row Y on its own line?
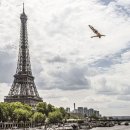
column 55, row 117
column 4, row 113
column 50, row 108
column 38, row 117
column 14, row 111
column 42, row 107
column 104, row 118
column 22, row 115
column 94, row 117
column 62, row 110
column 17, row 105
column 17, row 111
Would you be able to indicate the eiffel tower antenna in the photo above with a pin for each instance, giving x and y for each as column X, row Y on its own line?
column 23, row 88
column 23, row 7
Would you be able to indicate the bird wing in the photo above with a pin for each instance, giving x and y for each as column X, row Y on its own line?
column 94, row 36
column 93, row 29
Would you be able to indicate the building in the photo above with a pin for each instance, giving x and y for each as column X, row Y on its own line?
column 74, row 106
column 90, row 112
column 23, row 88
column 68, row 110
column 81, row 110
column 86, row 111
column 96, row 113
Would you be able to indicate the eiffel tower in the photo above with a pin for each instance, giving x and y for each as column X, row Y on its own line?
column 23, row 88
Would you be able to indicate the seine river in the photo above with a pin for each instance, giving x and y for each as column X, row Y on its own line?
column 98, row 128
column 122, row 127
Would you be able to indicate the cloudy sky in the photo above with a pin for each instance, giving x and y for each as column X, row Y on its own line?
column 70, row 67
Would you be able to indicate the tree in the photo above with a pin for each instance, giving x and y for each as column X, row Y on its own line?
column 39, row 117
column 4, row 113
column 62, row 110
column 104, row 118
column 55, row 117
column 50, row 108
column 17, row 111
column 21, row 114
column 14, row 107
column 94, row 117
column 42, row 107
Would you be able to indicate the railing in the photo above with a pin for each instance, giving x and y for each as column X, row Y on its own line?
column 10, row 125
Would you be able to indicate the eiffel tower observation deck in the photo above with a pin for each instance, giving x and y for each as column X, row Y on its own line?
column 23, row 88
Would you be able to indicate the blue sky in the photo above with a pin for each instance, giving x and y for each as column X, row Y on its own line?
column 67, row 64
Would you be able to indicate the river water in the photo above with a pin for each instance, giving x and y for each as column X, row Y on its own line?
column 121, row 127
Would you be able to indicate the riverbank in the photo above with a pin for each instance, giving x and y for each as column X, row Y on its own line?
column 60, row 126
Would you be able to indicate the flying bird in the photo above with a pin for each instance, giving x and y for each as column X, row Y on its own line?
column 96, row 32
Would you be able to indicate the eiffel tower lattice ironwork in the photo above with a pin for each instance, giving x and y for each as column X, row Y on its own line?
column 23, row 88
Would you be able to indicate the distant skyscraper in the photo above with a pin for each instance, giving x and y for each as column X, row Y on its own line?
column 81, row 110
column 90, row 112
column 68, row 110
column 85, row 111
column 97, row 113
column 23, row 88
column 74, row 106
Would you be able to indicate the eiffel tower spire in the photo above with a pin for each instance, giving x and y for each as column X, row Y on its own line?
column 23, row 7
column 23, row 88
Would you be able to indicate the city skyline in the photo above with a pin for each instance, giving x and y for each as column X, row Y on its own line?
column 67, row 64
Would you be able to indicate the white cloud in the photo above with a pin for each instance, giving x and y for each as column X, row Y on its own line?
column 59, row 33
column 4, row 89
column 124, row 98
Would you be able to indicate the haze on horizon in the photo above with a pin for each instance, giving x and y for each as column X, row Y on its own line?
column 68, row 66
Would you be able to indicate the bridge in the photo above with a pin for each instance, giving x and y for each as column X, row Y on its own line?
column 120, row 120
